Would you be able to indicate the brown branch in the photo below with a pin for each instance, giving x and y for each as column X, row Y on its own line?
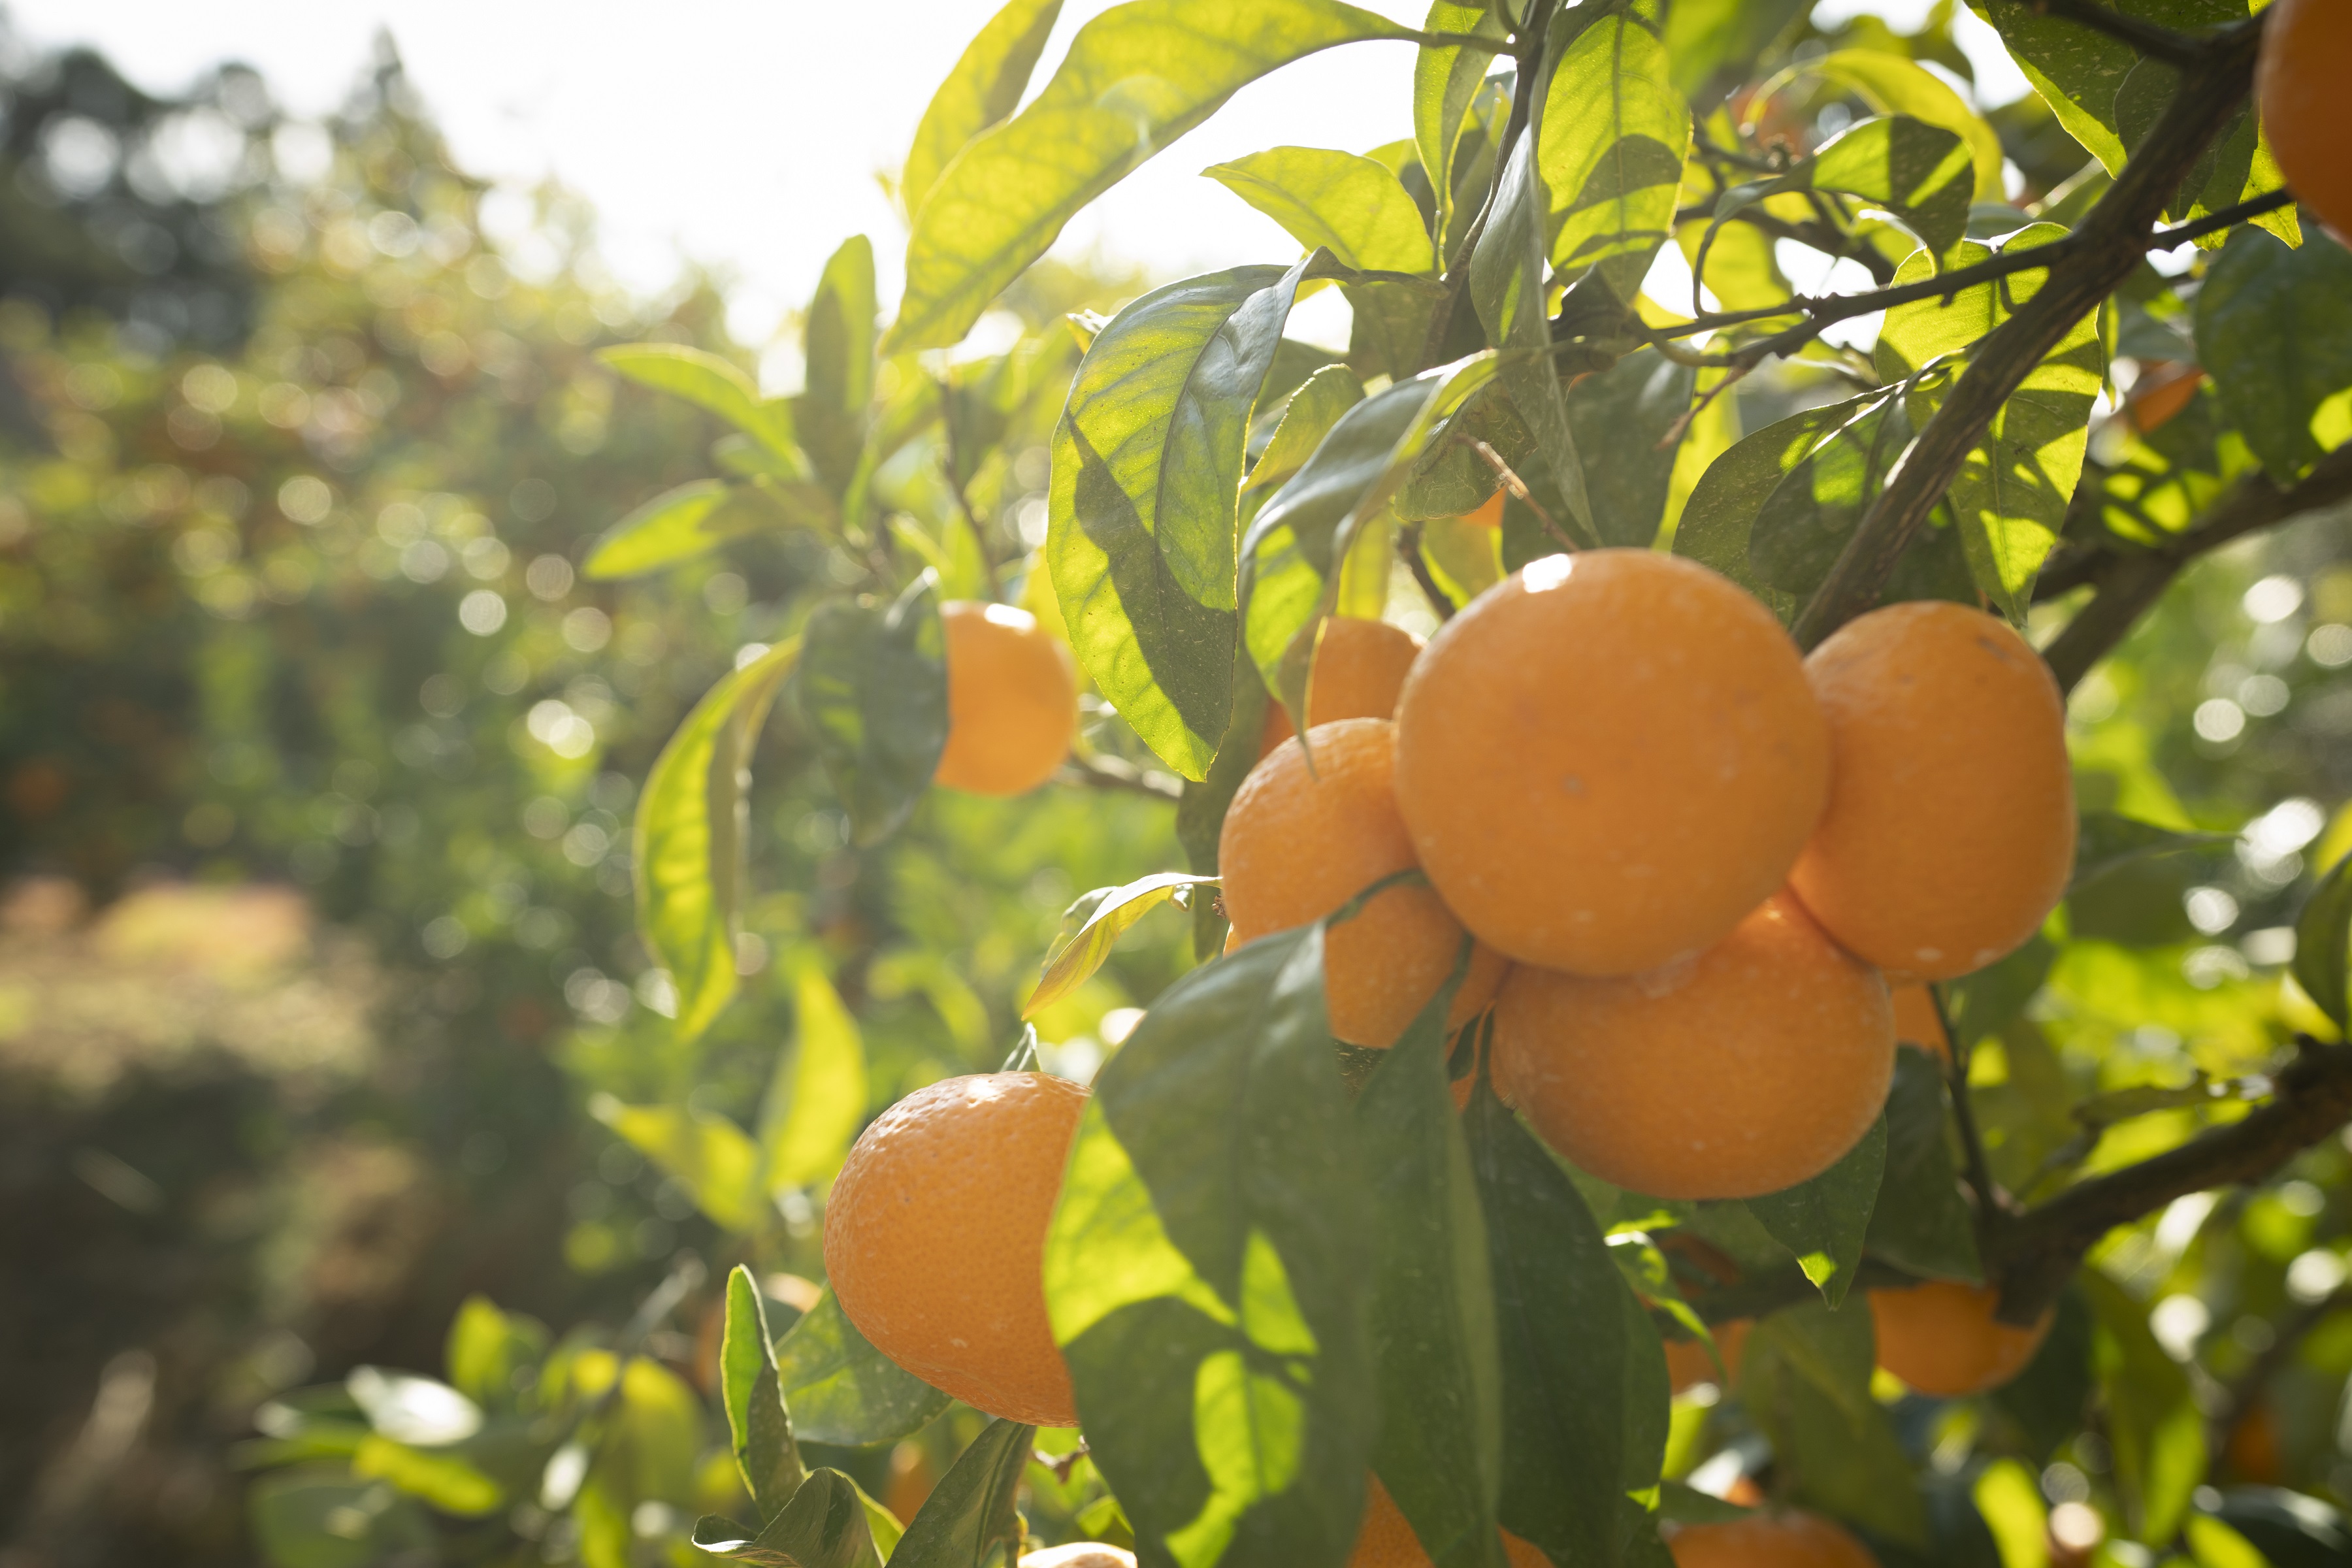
column 1114, row 773
column 2128, row 581
column 2103, row 253
column 1408, row 544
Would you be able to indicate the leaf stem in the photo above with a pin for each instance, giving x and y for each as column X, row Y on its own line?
column 1114, row 773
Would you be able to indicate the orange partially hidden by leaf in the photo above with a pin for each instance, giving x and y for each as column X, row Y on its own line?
column 1489, row 512
column 2158, row 396
column 1689, row 1364
column 1012, row 699
column 1790, row 1540
column 1941, row 1338
column 965, row 1169
column 1743, row 1071
column 1917, row 1022
column 2299, row 93
column 1386, row 1540
column 1297, row 846
column 1609, row 759
column 1359, row 668
column 1950, row 829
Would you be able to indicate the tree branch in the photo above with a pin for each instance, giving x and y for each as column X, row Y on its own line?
column 1114, row 773
column 2148, row 38
column 2101, row 254
column 2129, row 581
column 1408, row 544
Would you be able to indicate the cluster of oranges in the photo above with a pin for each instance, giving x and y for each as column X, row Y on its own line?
column 1701, row 881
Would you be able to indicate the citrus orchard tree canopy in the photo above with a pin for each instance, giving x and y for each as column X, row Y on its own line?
column 1675, row 1068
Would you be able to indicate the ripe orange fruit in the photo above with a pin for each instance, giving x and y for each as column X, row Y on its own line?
column 1488, row 513
column 1689, row 1364
column 1789, row 1539
column 1012, row 699
column 1941, row 1338
column 1386, row 1540
column 1916, row 1020
column 2299, row 93
column 1745, row 1070
column 1359, row 668
column 1950, row 827
column 1608, row 759
column 1297, row 845
column 935, row 1239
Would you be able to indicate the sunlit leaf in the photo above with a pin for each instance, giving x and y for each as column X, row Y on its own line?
column 2275, row 332
column 714, row 1160
column 687, row 840
column 2323, row 936
column 824, row 1526
column 1921, row 174
column 1137, row 78
column 838, row 350
column 1445, row 78
column 705, row 379
column 971, row 1511
column 1113, row 912
column 1821, row 1222
column 757, row 1425
column 698, row 517
column 984, row 87
column 1348, row 204
column 1313, row 409
column 447, row 1482
column 487, row 1347
column 1507, row 274
column 1615, row 134
column 1891, row 84
column 874, row 689
column 1708, row 37
column 812, row 1125
column 840, row 1390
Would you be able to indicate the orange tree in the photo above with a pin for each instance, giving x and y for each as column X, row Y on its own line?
column 1279, row 1268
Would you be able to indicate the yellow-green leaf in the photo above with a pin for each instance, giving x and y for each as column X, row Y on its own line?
column 1351, row 205
column 984, row 86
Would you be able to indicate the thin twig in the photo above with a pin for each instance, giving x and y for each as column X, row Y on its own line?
column 1517, row 487
column 1408, row 543
column 2214, row 223
column 1990, row 1206
column 1100, row 772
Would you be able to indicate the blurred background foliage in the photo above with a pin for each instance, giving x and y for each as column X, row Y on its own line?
column 316, row 753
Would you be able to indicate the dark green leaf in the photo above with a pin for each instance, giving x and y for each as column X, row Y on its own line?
column 1811, row 514
column 2321, row 934
column 1147, row 471
column 1718, row 524
column 1204, row 1270
column 1688, row 1505
column 2152, row 1424
column 1508, row 273
column 1920, row 1221
column 824, row 1526
column 1805, row 1378
column 843, row 1391
column 2275, row 332
column 308, row 1520
column 1111, row 914
column 714, row 1160
column 984, row 87
column 687, row 844
column 1631, row 412
column 1200, row 813
column 1433, row 1303
column 1445, row 78
column 757, row 1423
column 971, row 1511
column 2105, row 841
column 839, row 347
column 1615, row 134
column 705, row 379
column 1986, row 1002
column 2011, row 498
column 1584, row 1375
column 1349, row 205
column 1821, row 1222
column 874, row 689
column 1137, row 78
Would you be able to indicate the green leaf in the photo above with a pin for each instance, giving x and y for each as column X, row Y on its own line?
column 446, row 1482
column 1705, row 38
column 1688, row 1505
column 2153, row 1423
column 758, row 1423
column 2011, row 498
column 1890, row 84
column 1805, row 1380
column 1507, row 276
column 843, row 1391
column 2104, row 842
column 1147, row 471
column 687, row 840
column 874, row 689
column 1204, row 1266
column 1584, row 1375
column 486, row 1348
column 809, row 1127
column 1920, row 1221
column 2275, row 332
column 1110, row 913
column 1631, row 411
column 1445, row 78
column 1137, row 78
column 2321, row 934
column 1821, row 1222
column 1718, row 522
column 673, row 526
column 708, row 382
column 1615, row 134
column 1805, row 523
column 1313, row 409
column 1348, row 204
column 970, row 1512
column 839, row 351
column 714, row 1160
column 1922, row 174
column 308, row 1520
column 1433, row 1336
column 824, row 1526
column 984, row 87
column 1201, row 811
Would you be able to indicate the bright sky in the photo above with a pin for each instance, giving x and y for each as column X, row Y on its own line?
column 746, row 136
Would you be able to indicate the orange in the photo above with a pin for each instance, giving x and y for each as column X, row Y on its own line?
column 1299, row 845
column 1768, row 1541
column 2156, row 397
column 1745, row 1070
column 2299, row 91
column 1608, row 759
column 1916, row 1020
column 1488, row 513
column 1386, row 1540
column 935, row 1239
column 1942, row 1338
column 1689, row 1364
column 1359, row 668
column 1950, row 828
column 1012, row 699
